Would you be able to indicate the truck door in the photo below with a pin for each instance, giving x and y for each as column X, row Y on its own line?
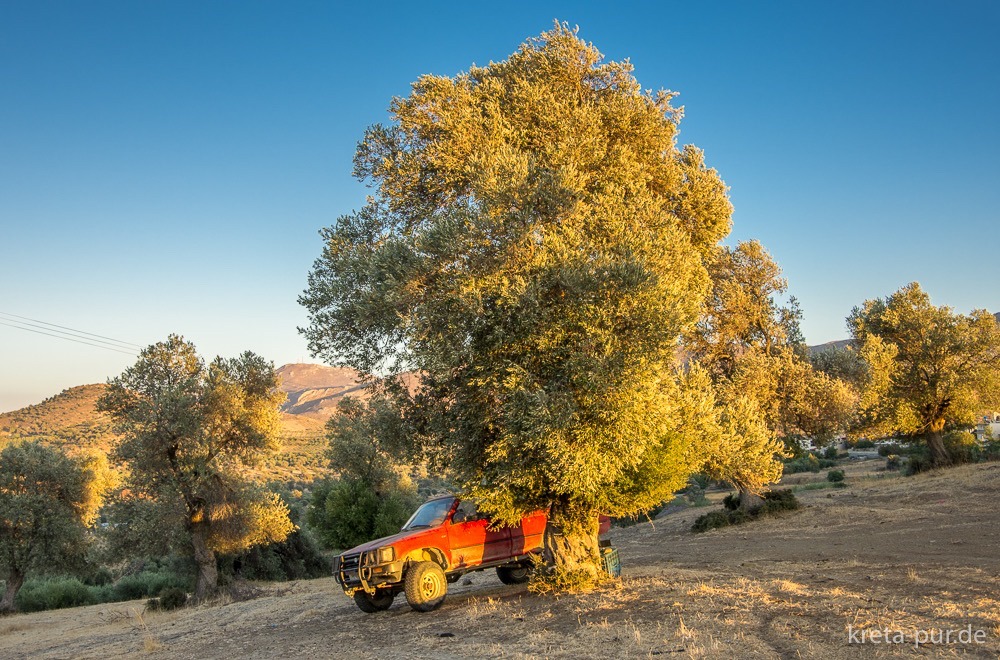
column 472, row 541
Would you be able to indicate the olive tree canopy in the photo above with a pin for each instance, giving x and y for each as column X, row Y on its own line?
column 534, row 247
column 47, row 500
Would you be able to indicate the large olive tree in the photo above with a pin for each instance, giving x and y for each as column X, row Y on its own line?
column 534, row 247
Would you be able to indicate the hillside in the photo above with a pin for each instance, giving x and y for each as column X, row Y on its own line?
column 70, row 419
column 907, row 554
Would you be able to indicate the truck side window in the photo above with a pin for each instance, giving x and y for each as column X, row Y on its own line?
column 466, row 512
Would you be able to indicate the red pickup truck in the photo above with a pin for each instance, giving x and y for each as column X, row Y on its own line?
column 444, row 539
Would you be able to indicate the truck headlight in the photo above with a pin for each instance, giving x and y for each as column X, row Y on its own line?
column 386, row 555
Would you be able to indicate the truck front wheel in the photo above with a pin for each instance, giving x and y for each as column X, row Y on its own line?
column 380, row 602
column 425, row 586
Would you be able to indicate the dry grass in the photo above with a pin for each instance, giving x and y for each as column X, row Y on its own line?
column 873, row 556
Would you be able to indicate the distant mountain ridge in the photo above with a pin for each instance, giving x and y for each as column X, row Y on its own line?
column 314, row 389
column 830, row 346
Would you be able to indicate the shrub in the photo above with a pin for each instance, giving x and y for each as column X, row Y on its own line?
column 699, row 480
column 991, row 451
column 917, row 463
column 774, row 501
column 99, row 577
column 808, row 464
column 170, row 598
column 295, row 558
column 695, row 496
column 148, row 583
column 830, row 452
column 835, row 476
column 963, row 447
column 739, row 516
column 779, row 500
column 893, row 462
column 711, row 520
column 54, row 593
column 863, row 443
column 893, row 448
column 346, row 513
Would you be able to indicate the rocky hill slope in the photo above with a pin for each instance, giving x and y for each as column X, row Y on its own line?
column 70, row 419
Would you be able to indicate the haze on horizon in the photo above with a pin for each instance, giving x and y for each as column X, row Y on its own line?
column 167, row 167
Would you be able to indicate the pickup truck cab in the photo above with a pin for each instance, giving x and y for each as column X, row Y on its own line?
column 444, row 539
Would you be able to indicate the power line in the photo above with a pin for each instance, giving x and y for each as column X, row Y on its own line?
column 62, row 327
column 69, row 338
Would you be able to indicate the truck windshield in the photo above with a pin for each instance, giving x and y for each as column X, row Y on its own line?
column 430, row 514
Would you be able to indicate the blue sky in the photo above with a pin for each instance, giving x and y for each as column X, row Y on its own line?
column 165, row 167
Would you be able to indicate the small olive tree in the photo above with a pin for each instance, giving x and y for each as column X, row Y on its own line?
column 766, row 388
column 925, row 366
column 370, row 448
column 188, row 433
column 47, row 501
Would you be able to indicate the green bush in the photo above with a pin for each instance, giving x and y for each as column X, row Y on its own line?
column 699, row 480
column 893, row 449
column 55, row 593
column 991, row 451
column 917, row 463
column 170, row 598
column 295, row 558
column 99, row 577
column 711, row 520
column 774, row 501
column 893, row 462
column 808, row 464
column 346, row 513
column 152, row 577
column 864, row 443
column 835, row 476
column 963, row 447
column 739, row 516
column 779, row 500
column 830, row 452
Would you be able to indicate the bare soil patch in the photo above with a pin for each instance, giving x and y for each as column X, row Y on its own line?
column 903, row 554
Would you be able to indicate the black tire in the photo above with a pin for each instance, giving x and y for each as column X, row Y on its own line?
column 425, row 586
column 381, row 601
column 517, row 574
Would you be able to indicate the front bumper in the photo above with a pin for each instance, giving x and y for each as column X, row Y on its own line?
column 353, row 572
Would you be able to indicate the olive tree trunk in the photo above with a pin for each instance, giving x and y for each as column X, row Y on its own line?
column 938, row 451
column 570, row 547
column 15, row 580
column 750, row 501
column 208, row 573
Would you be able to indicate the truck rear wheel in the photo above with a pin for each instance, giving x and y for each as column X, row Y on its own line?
column 517, row 574
column 425, row 586
column 381, row 601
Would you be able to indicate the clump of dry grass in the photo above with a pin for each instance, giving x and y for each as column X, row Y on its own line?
column 567, row 581
column 149, row 643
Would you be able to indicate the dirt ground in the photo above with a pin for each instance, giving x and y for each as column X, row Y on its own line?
column 907, row 557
